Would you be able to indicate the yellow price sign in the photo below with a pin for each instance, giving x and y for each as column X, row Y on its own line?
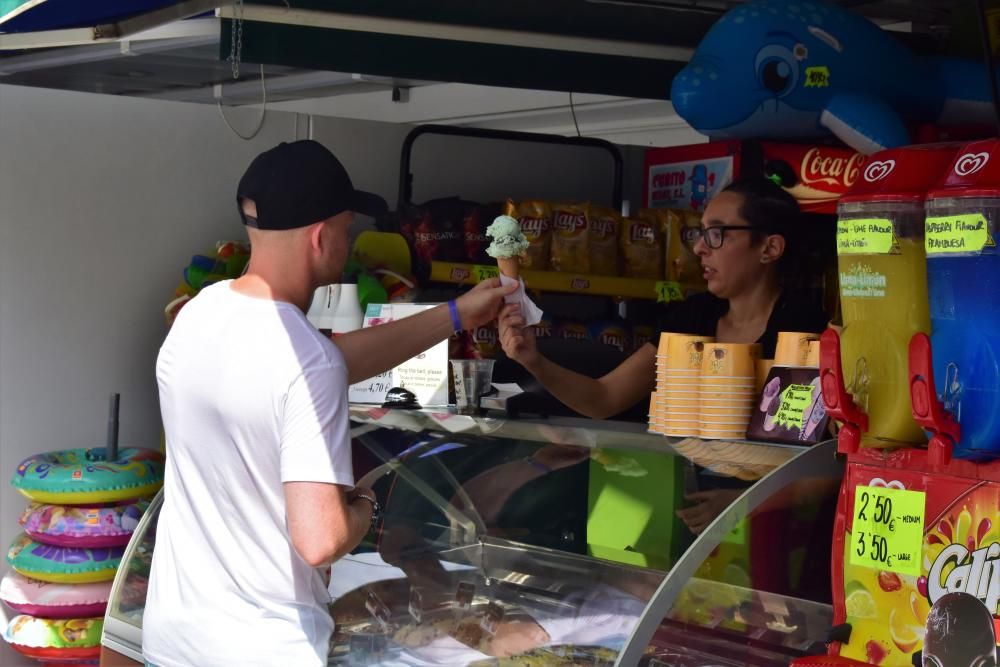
column 818, row 77
column 949, row 234
column 792, row 405
column 873, row 236
column 668, row 290
column 485, row 272
column 888, row 529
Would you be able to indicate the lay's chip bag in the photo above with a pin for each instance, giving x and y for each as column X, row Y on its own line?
column 572, row 330
column 683, row 265
column 570, row 234
column 605, row 225
column 613, row 333
column 642, row 247
column 535, row 218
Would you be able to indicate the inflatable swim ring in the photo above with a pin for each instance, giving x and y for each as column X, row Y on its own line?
column 82, row 476
column 63, row 565
column 65, row 526
column 40, row 598
column 56, row 640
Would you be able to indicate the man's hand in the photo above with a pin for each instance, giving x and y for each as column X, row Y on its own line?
column 517, row 339
column 481, row 304
column 710, row 504
column 516, row 637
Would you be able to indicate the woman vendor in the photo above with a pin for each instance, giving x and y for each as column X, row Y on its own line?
column 746, row 244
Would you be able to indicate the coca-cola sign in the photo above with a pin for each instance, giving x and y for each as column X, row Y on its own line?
column 835, row 170
column 822, row 173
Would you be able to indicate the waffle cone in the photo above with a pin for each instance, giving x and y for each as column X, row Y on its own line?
column 510, row 266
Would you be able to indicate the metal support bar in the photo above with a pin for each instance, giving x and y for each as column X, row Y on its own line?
column 475, row 34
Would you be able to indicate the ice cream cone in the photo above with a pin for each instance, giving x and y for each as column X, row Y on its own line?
column 510, row 266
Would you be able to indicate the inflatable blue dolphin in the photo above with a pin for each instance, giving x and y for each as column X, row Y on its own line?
column 799, row 69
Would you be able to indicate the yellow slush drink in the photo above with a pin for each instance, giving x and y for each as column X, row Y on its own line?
column 884, row 302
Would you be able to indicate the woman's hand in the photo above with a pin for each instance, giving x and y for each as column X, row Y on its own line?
column 710, row 504
column 517, row 339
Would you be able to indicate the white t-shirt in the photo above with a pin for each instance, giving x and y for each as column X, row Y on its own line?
column 251, row 396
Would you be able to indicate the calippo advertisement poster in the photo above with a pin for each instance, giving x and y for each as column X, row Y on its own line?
column 949, row 610
column 686, row 177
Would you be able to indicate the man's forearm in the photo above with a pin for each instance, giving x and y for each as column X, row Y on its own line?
column 369, row 352
column 359, row 525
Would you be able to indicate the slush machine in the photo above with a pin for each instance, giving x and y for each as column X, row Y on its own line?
column 883, row 296
column 955, row 380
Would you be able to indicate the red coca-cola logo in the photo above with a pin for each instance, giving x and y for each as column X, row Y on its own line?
column 835, row 171
column 567, row 221
column 641, row 232
column 534, row 226
column 602, row 227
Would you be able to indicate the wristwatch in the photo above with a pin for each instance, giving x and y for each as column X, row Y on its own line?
column 376, row 508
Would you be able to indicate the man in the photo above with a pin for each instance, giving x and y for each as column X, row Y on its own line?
column 259, row 486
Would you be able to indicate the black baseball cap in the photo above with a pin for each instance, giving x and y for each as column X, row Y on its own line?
column 300, row 183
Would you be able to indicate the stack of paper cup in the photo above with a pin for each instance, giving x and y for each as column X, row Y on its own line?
column 658, row 399
column 679, row 381
column 727, row 389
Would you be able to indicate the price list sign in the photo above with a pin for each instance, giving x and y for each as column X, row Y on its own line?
column 888, row 529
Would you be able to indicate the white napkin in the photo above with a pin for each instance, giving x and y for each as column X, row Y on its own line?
column 532, row 313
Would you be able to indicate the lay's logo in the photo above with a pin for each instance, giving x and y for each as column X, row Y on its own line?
column 640, row 231
column 568, row 221
column 602, row 227
column 534, row 226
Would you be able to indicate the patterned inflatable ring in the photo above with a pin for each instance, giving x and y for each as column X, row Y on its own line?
column 82, row 476
column 40, row 598
column 82, row 526
column 63, row 565
column 56, row 640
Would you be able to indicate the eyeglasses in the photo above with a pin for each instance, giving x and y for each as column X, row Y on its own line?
column 713, row 236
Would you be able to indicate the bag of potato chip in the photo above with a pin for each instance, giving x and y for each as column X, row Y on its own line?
column 685, row 266
column 641, row 334
column 572, row 330
column 487, row 340
column 642, row 248
column 613, row 333
column 535, row 218
column 570, row 233
column 604, row 229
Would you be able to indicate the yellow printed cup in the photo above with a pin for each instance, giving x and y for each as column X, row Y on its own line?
column 762, row 368
column 812, row 360
column 793, row 348
column 727, row 360
column 685, row 352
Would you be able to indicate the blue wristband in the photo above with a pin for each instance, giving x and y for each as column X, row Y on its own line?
column 456, row 321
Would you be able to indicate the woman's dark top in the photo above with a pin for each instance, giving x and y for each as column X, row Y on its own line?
column 699, row 315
